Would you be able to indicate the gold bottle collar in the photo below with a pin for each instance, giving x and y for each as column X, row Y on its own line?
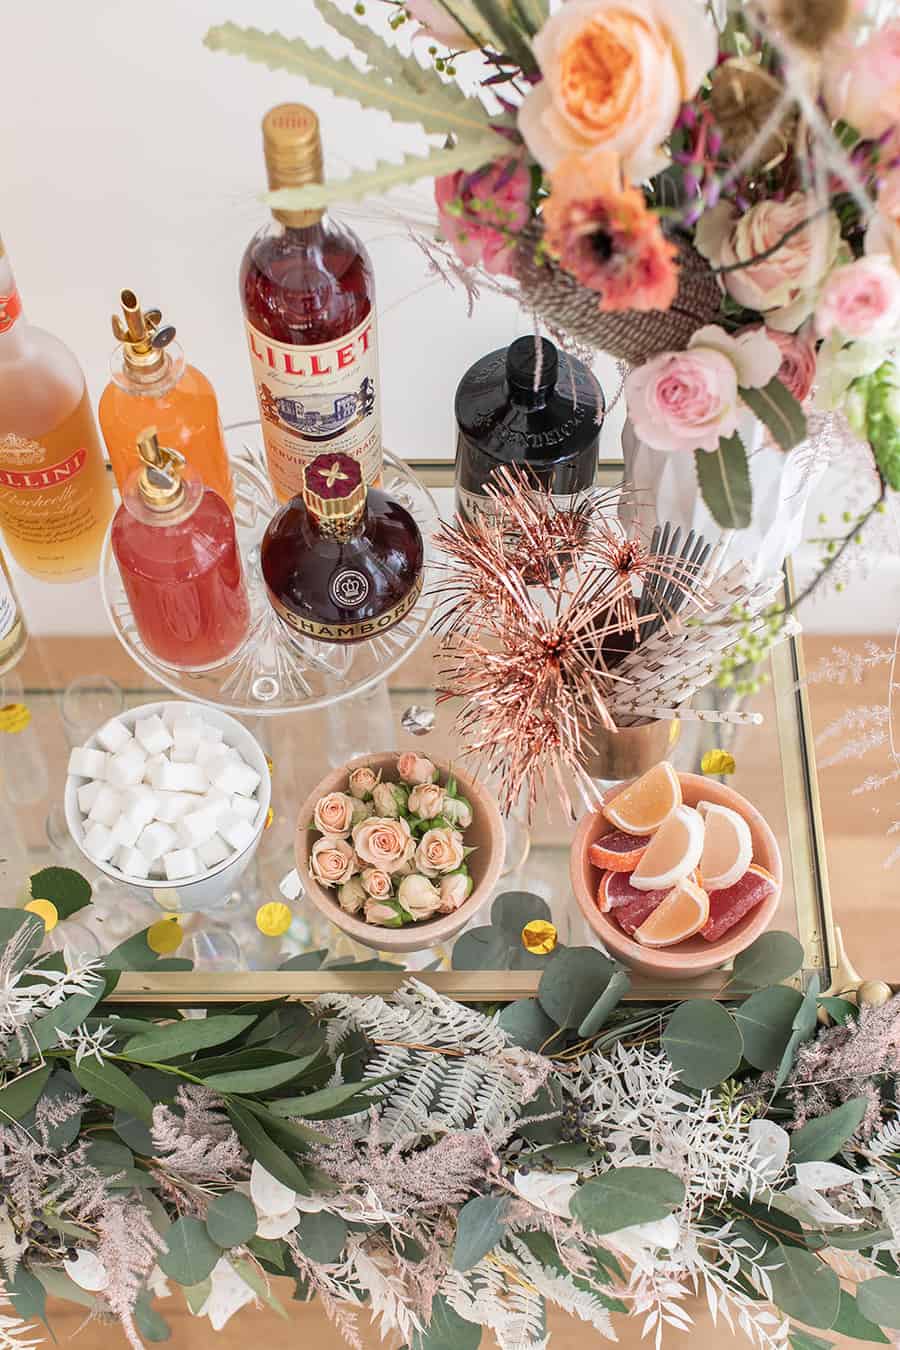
column 334, row 490
column 160, row 484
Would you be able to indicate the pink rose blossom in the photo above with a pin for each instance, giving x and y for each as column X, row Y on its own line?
column 414, row 768
column 426, row 800
column 454, row 890
column 382, row 913
column 482, row 213
column 861, row 84
column 440, row 850
column 334, row 813
column 376, row 883
column 419, row 897
column 861, row 300
column 383, row 842
column 362, row 781
column 332, row 860
column 798, row 361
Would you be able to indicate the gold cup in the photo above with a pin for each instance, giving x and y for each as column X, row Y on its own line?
column 630, row 751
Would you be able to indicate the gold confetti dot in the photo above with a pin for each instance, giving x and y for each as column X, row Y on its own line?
column 539, row 937
column 717, row 761
column 270, row 765
column 274, row 918
column 165, row 936
column 14, row 717
column 270, row 816
column 46, row 910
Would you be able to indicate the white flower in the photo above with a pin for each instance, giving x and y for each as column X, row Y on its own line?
column 753, row 354
column 549, row 1191
column 275, row 1204
column 458, row 811
column 418, row 897
column 227, row 1295
column 639, row 1241
column 838, row 366
column 772, row 1147
column 87, row 1270
column 88, row 1043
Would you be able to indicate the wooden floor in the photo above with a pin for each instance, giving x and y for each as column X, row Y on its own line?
column 865, row 899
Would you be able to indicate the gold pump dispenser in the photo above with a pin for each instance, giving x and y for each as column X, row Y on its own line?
column 160, row 483
column 142, row 335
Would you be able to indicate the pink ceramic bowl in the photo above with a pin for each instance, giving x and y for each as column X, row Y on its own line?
column 486, row 835
column 695, row 956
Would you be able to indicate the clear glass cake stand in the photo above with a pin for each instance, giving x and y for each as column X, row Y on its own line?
column 274, row 673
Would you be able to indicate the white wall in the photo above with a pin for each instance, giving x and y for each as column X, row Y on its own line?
column 131, row 156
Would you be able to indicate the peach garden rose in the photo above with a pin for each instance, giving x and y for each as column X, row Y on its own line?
column 362, row 781
column 376, row 883
column 426, row 800
column 419, row 897
column 440, row 850
column 414, row 768
column 382, row 842
column 332, row 860
column 334, row 813
column 454, row 890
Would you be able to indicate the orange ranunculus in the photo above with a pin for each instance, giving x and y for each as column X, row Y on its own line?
column 615, row 73
column 603, row 233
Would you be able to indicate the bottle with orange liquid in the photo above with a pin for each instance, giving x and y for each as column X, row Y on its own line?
column 55, row 494
column 151, row 383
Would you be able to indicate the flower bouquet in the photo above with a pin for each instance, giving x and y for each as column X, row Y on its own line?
column 710, row 194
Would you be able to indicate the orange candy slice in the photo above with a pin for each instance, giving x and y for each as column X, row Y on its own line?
column 727, row 848
column 618, row 851
column 683, row 913
column 643, row 806
column 673, row 852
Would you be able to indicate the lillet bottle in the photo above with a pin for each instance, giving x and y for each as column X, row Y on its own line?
column 341, row 563
column 309, row 307
column 175, row 545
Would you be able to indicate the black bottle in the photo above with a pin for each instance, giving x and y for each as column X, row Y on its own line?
column 535, row 407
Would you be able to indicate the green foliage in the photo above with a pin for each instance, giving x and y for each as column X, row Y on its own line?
column 160, row 1043
column 851, row 1322
column 191, row 1252
column 322, row 1236
column 879, row 1300
column 23, row 1093
column 526, row 1023
column 723, row 476
column 573, row 981
column 69, row 891
column 703, row 1042
column 447, row 1330
column 771, row 958
column 824, row 1136
column 803, row 1027
column 109, row 1084
column 151, row 1324
column 805, row 1288
column 11, row 920
column 779, row 411
column 609, row 1000
column 499, row 945
column 766, row 1020
column 873, row 408
column 231, row 1220
column 479, row 1228
column 29, row 1297
column 263, row 1148
column 626, row 1196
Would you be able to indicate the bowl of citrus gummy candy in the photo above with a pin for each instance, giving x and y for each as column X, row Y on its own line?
column 677, row 873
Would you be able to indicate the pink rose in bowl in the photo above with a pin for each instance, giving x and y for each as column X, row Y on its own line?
column 382, row 842
column 376, row 883
column 440, row 850
column 334, row 813
column 482, row 213
column 383, row 913
column 414, row 768
column 419, row 897
column 363, row 781
column 453, row 890
column 861, row 300
column 798, row 360
column 426, row 800
column 332, row 860
column 861, row 83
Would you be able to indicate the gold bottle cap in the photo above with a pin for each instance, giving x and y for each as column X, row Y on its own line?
column 292, row 144
column 143, row 338
column 333, row 488
column 159, row 484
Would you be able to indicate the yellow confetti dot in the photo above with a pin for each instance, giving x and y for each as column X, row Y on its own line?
column 718, row 761
column 274, row 918
column 14, row 717
column 270, row 765
column 165, row 936
column 539, row 937
column 46, row 910
column 270, row 816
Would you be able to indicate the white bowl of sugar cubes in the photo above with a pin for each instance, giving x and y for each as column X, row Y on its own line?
column 172, row 799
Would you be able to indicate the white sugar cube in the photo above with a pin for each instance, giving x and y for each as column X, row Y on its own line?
column 151, row 765
column 236, row 778
column 126, row 831
column 126, row 769
column 140, row 804
column 107, row 807
column 198, row 827
column 186, row 737
column 156, row 839
column 208, row 751
column 183, row 862
column 153, row 734
column 87, row 795
column 88, row 763
column 114, row 735
column 132, row 862
column 179, row 777
column 246, row 807
column 214, row 851
column 156, row 868
column 99, row 842
column 236, row 831
column 171, row 806
column 212, row 733
column 180, row 712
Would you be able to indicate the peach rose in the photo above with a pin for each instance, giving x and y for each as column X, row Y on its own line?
column 861, row 84
column 376, row 883
column 615, row 75
column 783, row 286
column 419, row 897
column 362, row 781
column 414, row 768
column 382, row 842
column 352, row 896
column 458, row 811
column 384, row 913
column 798, row 361
column 332, row 860
column 426, row 800
column 334, row 813
column 861, row 300
column 440, row 850
column 454, row 889
column 389, row 799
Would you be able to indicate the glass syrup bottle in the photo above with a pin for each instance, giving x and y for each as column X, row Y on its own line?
column 175, row 545
column 13, row 633
column 341, row 563
column 55, row 494
column 308, row 296
column 151, row 383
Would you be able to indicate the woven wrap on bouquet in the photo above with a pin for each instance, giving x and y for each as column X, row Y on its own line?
column 629, row 335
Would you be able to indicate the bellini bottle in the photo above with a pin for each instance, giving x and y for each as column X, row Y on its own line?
column 55, row 494
column 309, row 306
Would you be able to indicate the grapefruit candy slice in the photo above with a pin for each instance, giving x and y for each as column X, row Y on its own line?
column 643, row 806
column 727, row 907
column 727, row 848
column 615, row 892
column 673, row 852
column 618, row 851
column 681, row 914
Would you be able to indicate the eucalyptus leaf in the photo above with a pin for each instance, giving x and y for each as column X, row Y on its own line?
column 325, row 1099
column 490, row 949
column 626, row 1196
column 151, row 1324
column 526, row 1023
column 779, row 411
column 249, row 1082
column 264, row 1150
column 879, row 1300
column 704, row 1043
column 135, row 953
column 805, row 1288
column 110, row 1085
column 67, row 889
column 195, row 1295
column 766, row 1020
column 258, row 1283
column 772, row 957
column 574, row 979
column 160, row 1043
column 305, row 961
column 133, row 1132
column 805, row 1340
column 231, row 1219
column 724, row 479
column 479, row 1228
column 62, row 1084
column 191, row 1252
column 321, row 1236
column 804, row 1026
column 824, row 1136
column 67, row 1016
column 840, row 1010
column 23, row 1093
column 29, row 1297
column 615, row 991
column 513, row 909
column 60, row 1285
column 446, row 1330
column 851, row 1322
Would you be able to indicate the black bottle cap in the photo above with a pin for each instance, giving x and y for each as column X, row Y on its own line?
column 523, row 358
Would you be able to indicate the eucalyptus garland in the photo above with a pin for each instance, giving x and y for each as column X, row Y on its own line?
column 437, row 1169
